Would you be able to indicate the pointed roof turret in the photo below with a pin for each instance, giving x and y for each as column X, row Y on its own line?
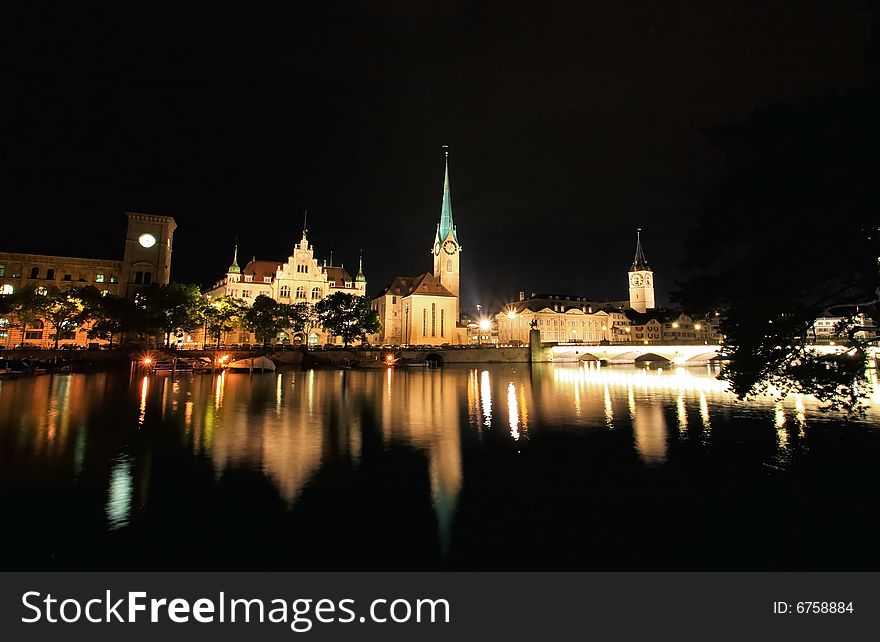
column 360, row 278
column 234, row 269
column 447, row 225
column 639, row 261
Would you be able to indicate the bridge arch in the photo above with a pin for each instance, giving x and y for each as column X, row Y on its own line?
column 652, row 358
column 433, row 360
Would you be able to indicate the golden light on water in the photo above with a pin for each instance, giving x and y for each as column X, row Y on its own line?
column 512, row 411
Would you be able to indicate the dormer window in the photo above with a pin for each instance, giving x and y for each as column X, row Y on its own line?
column 267, row 279
column 248, row 278
column 348, row 284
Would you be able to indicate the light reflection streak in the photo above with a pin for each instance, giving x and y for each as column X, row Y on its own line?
column 513, row 411
column 118, row 508
column 486, row 398
column 609, row 409
column 145, row 386
column 682, row 413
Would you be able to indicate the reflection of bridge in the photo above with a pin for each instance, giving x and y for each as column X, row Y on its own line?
column 623, row 354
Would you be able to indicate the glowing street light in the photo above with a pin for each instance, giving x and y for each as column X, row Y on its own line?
column 485, row 324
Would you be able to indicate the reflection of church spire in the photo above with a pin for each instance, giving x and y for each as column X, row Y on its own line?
column 234, row 269
column 639, row 262
column 360, row 278
column 446, row 225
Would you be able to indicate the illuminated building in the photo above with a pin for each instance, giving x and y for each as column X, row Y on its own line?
column 424, row 310
column 146, row 259
column 300, row 279
column 641, row 280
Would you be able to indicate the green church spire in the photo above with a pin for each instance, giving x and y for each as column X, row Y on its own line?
column 360, row 278
column 234, row 269
column 446, row 223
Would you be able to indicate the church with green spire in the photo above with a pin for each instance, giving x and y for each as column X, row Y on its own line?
column 424, row 309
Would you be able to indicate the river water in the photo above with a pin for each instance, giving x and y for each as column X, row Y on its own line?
column 490, row 467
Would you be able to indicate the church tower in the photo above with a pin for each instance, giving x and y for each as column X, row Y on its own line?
column 641, row 280
column 447, row 251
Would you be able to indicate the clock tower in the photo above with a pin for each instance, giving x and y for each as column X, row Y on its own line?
column 446, row 250
column 641, row 280
column 147, row 256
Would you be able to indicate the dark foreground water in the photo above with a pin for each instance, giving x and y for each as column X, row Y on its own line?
column 495, row 467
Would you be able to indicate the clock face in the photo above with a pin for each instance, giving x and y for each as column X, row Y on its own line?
column 449, row 247
column 437, row 247
column 647, row 279
column 147, row 240
column 636, row 279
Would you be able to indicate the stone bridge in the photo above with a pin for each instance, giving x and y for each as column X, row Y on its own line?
column 679, row 355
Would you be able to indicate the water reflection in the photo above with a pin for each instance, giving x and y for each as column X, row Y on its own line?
column 290, row 426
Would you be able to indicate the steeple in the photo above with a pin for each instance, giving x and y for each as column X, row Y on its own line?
column 234, row 269
column 360, row 278
column 639, row 261
column 446, row 224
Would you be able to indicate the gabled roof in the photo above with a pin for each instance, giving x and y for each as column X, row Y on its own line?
column 556, row 303
column 260, row 269
column 338, row 275
column 662, row 315
column 424, row 284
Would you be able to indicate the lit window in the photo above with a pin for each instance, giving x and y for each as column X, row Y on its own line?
column 114, row 278
column 6, row 289
column 285, row 291
column 99, row 278
column 316, row 293
column 301, row 292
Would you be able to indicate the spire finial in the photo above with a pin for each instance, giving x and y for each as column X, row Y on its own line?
column 331, row 257
column 234, row 269
column 447, row 226
column 360, row 278
column 639, row 261
column 305, row 222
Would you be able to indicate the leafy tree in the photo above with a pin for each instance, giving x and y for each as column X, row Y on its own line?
column 791, row 233
column 27, row 307
column 267, row 317
column 63, row 309
column 169, row 308
column 223, row 315
column 111, row 315
column 348, row 316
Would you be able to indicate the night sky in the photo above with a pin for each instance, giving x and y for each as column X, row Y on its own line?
column 569, row 125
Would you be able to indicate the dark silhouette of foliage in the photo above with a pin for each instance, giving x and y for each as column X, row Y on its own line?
column 789, row 234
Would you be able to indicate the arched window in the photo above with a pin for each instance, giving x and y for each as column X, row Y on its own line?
column 301, row 292
column 50, row 274
column 316, row 293
column 449, row 265
column 442, row 323
column 148, row 278
column 424, row 322
column 285, row 291
column 138, row 277
column 433, row 319
column 35, row 272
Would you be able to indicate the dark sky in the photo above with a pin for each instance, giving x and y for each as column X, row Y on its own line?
column 569, row 125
